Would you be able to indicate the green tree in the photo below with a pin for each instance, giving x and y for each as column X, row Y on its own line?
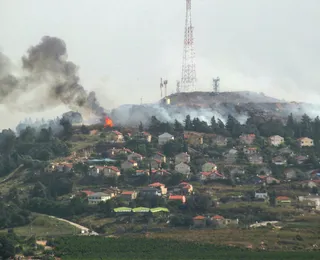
column 140, row 127
column 7, row 248
column 188, row 123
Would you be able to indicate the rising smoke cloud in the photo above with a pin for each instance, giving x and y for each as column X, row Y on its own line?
column 49, row 76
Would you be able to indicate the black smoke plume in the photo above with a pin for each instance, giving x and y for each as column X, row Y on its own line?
column 45, row 68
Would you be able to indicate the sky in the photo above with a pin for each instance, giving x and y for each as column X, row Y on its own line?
column 123, row 47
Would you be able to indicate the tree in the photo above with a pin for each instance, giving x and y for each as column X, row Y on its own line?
column 154, row 125
column 7, row 249
column 188, row 123
column 171, row 148
column 67, row 128
column 177, row 127
column 213, row 124
column 140, row 127
column 84, row 130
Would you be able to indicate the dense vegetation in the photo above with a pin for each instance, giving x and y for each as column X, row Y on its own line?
column 142, row 248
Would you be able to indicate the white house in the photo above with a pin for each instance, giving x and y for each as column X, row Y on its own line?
column 261, row 195
column 276, row 140
column 182, row 157
column 311, row 200
column 164, row 138
column 183, row 168
column 129, row 164
column 98, row 197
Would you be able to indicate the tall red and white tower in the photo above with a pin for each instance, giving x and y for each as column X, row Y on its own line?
column 188, row 78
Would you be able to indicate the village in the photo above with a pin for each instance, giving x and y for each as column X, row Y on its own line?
column 197, row 177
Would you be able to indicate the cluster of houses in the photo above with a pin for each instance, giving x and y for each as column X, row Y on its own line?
column 177, row 193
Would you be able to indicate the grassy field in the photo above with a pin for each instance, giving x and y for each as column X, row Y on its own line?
column 42, row 226
column 150, row 248
column 287, row 238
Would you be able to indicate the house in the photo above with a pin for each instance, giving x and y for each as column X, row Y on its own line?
column 186, row 187
column 193, row 138
column 206, row 176
column 209, row 167
column 84, row 152
column 231, row 156
column 271, row 180
column 164, row 138
column 283, row 200
column 182, row 157
column 85, row 192
column 161, row 187
column 290, row 173
column 94, row 132
column 135, row 157
column 261, row 195
column 250, row 150
column 115, row 136
column 301, row 159
column 180, row 198
column 150, row 191
column 147, row 136
column 255, row 159
column 305, row 142
column 98, row 197
column 286, row 151
column 309, row 184
column 155, row 164
column 247, row 139
column 114, row 152
column 159, row 156
column 275, row 140
column 279, row 160
column 142, row 172
column 312, row 200
column 237, row 171
column 218, row 220
column 264, row 171
column 219, row 140
column 96, row 171
column 199, row 221
column 129, row 164
column 129, row 195
column 160, row 172
column 183, row 168
column 111, row 171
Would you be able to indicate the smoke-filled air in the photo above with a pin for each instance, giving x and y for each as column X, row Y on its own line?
column 46, row 79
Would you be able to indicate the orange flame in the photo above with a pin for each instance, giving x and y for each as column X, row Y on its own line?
column 108, row 122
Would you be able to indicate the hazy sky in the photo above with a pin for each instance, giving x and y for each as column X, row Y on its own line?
column 123, row 47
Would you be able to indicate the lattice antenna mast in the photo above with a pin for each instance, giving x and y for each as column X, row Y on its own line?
column 188, row 78
column 178, row 86
column 216, row 84
column 165, row 82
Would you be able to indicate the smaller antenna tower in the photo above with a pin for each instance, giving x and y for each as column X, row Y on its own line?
column 165, row 83
column 161, row 86
column 178, row 86
column 216, row 84
column 141, row 101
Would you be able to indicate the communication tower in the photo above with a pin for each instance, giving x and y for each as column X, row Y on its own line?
column 188, row 78
column 216, row 84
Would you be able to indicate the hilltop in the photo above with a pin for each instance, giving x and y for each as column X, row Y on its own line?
column 206, row 104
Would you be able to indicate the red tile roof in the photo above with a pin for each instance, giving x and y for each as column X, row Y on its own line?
column 199, row 218
column 127, row 192
column 176, row 197
column 156, row 184
column 282, row 198
column 113, row 168
column 87, row 192
column 217, row 217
